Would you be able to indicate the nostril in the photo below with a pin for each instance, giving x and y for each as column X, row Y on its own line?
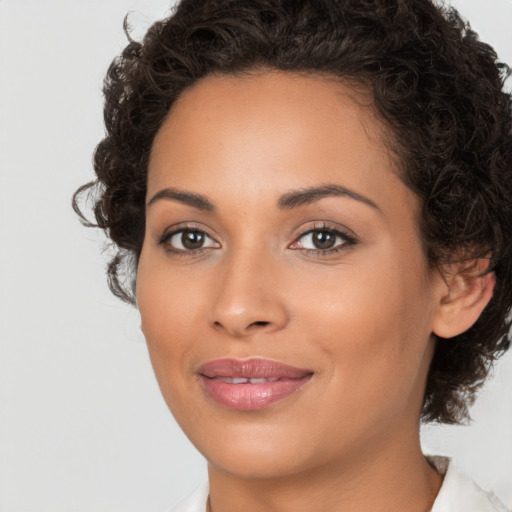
column 241, row 329
column 259, row 322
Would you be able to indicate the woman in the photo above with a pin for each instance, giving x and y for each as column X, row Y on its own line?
column 314, row 199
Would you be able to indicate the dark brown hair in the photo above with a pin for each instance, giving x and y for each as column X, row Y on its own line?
column 438, row 89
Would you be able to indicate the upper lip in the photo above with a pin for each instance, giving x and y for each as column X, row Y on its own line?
column 251, row 369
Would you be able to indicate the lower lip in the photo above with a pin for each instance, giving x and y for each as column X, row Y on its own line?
column 252, row 397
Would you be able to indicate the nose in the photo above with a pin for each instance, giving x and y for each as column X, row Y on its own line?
column 248, row 299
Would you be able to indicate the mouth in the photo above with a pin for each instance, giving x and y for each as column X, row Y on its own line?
column 252, row 384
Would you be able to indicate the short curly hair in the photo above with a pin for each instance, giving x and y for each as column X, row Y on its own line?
column 439, row 90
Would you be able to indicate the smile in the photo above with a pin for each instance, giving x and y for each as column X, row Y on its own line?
column 253, row 384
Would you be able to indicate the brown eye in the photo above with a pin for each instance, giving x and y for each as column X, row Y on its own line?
column 187, row 240
column 323, row 239
column 192, row 239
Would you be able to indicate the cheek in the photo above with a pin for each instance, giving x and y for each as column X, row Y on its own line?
column 169, row 315
column 372, row 325
column 167, row 298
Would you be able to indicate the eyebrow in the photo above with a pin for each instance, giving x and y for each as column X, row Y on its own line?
column 288, row 201
column 197, row 201
column 304, row 196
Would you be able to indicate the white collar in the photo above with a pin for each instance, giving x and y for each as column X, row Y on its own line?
column 459, row 493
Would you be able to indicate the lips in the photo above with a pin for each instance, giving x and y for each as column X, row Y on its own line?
column 251, row 384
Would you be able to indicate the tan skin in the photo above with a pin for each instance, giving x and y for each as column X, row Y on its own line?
column 361, row 316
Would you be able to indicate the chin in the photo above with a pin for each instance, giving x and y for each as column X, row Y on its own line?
column 257, row 451
column 254, row 465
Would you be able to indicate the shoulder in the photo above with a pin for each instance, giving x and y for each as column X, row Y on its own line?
column 461, row 494
column 196, row 502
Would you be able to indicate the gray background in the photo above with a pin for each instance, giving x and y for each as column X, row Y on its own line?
column 82, row 423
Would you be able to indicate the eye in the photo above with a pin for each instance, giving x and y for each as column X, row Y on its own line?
column 187, row 240
column 323, row 240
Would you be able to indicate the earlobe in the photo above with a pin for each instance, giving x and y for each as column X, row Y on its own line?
column 467, row 292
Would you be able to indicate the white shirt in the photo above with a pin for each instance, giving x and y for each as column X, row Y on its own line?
column 457, row 494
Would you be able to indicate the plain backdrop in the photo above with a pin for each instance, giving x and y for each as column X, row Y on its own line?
column 82, row 423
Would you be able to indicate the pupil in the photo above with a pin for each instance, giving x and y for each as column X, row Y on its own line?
column 323, row 239
column 192, row 239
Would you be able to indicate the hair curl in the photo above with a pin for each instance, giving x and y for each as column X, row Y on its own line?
column 437, row 87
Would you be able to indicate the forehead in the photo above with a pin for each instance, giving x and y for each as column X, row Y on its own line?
column 289, row 130
column 273, row 95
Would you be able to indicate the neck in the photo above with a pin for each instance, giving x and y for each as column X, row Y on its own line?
column 386, row 476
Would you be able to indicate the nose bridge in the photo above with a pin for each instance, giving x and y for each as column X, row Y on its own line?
column 247, row 299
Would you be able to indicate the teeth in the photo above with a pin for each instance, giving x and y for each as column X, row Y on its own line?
column 243, row 380
column 233, row 380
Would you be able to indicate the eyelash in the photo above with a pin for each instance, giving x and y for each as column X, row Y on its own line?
column 348, row 241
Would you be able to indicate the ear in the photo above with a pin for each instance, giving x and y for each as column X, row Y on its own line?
column 468, row 289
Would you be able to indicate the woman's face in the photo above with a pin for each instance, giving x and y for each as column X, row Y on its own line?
column 282, row 247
